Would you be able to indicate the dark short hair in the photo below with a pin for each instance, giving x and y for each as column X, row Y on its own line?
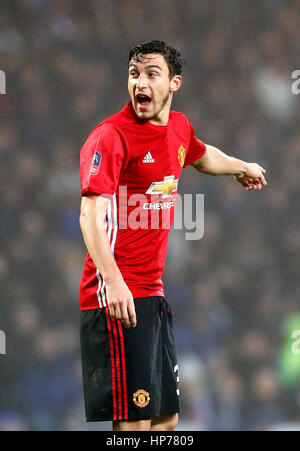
column 172, row 56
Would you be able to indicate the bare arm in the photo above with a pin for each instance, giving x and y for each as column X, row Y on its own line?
column 215, row 162
column 119, row 297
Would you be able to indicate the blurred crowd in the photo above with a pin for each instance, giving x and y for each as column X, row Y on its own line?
column 234, row 292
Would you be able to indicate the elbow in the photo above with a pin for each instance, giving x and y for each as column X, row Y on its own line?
column 92, row 210
column 81, row 220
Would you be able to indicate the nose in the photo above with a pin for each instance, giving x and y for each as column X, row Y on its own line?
column 141, row 81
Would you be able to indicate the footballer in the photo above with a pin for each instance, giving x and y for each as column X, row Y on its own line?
column 129, row 361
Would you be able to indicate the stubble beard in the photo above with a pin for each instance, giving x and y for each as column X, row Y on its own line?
column 165, row 100
column 163, row 104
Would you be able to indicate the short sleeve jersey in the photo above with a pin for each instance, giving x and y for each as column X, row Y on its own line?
column 137, row 165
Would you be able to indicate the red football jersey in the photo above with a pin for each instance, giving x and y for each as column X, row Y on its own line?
column 137, row 165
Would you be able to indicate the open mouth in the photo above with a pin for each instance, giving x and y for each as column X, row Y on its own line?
column 143, row 101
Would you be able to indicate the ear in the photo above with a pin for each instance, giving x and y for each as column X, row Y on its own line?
column 175, row 83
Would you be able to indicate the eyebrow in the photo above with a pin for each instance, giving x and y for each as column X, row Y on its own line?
column 147, row 67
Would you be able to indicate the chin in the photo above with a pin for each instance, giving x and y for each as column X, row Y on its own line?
column 147, row 115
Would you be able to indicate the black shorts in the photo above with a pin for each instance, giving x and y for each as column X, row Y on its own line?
column 129, row 373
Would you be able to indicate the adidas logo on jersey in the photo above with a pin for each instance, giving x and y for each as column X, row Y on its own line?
column 148, row 158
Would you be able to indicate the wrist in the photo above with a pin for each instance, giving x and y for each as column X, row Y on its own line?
column 241, row 169
column 113, row 277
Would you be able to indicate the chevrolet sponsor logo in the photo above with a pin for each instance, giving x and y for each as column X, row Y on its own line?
column 166, row 187
column 158, row 205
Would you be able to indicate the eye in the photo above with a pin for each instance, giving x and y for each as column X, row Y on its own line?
column 133, row 73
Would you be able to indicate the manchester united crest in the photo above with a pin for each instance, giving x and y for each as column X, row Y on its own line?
column 181, row 155
column 141, row 398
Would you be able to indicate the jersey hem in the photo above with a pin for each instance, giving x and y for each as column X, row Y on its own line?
column 136, row 295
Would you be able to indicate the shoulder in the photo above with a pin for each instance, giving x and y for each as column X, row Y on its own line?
column 106, row 131
column 180, row 118
column 113, row 124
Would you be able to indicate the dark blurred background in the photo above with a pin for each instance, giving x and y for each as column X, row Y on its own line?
column 235, row 293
